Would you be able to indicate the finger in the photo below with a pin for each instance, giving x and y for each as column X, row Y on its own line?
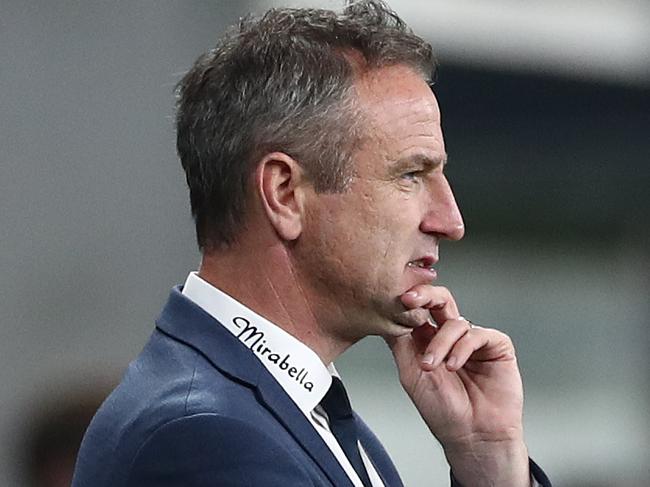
column 410, row 348
column 437, row 299
column 462, row 350
column 441, row 344
column 422, row 336
column 480, row 344
column 499, row 347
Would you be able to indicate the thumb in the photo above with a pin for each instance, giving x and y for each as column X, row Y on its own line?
column 411, row 346
column 402, row 347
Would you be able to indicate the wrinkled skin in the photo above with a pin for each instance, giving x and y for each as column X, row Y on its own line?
column 356, row 246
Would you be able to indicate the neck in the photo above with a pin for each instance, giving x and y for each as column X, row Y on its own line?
column 273, row 290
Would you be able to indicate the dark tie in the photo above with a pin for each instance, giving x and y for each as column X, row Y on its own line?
column 337, row 406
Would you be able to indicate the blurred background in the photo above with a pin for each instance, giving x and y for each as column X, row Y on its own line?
column 546, row 112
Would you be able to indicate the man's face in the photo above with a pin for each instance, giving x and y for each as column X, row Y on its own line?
column 362, row 249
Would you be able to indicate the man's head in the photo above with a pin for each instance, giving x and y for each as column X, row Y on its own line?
column 282, row 83
column 323, row 131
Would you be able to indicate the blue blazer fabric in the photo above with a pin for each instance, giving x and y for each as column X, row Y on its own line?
column 197, row 408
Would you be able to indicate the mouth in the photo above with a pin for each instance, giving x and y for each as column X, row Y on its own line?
column 424, row 267
column 426, row 262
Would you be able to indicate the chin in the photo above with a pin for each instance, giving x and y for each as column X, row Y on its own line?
column 394, row 327
column 398, row 331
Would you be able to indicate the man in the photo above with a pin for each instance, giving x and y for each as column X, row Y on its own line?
column 314, row 156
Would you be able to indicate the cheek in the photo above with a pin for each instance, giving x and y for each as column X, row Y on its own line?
column 379, row 230
column 343, row 242
column 362, row 241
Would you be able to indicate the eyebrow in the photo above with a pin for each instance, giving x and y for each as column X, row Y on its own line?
column 421, row 160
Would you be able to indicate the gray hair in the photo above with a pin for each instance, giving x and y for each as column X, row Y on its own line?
column 283, row 82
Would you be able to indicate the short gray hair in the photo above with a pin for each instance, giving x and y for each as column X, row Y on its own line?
column 283, row 82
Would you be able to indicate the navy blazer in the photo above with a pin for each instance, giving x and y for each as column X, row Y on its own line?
column 196, row 408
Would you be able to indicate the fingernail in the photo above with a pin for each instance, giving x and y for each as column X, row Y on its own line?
column 428, row 359
column 412, row 294
column 451, row 362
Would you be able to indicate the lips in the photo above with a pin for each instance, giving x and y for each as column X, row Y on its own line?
column 426, row 262
column 424, row 267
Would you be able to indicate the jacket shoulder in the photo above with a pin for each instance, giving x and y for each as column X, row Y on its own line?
column 166, row 382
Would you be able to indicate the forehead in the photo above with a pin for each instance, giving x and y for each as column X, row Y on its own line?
column 398, row 104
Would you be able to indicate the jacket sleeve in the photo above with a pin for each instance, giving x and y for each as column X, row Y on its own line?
column 538, row 477
column 209, row 450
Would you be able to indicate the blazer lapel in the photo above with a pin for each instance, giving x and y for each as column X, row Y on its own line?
column 287, row 413
column 378, row 455
column 186, row 322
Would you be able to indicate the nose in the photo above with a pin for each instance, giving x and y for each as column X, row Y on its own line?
column 442, row 215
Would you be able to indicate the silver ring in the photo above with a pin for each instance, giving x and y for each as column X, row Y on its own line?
column 471, row 325
column 435, row 325
column 432, row 323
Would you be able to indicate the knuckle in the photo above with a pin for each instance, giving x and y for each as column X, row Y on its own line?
column 504, row 339
column 503, row 336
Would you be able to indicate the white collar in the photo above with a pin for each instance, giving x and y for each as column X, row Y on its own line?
column 296, row 367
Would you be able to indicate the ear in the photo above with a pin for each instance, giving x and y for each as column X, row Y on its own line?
column 280, row 182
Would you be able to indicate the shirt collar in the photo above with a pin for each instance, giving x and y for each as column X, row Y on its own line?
column 296, row 367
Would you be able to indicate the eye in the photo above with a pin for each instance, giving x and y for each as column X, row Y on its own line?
column 412, row 175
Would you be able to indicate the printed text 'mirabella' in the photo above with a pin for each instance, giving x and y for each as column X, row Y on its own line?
column 255, row 339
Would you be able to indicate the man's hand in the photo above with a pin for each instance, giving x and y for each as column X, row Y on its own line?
column 465, row 383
